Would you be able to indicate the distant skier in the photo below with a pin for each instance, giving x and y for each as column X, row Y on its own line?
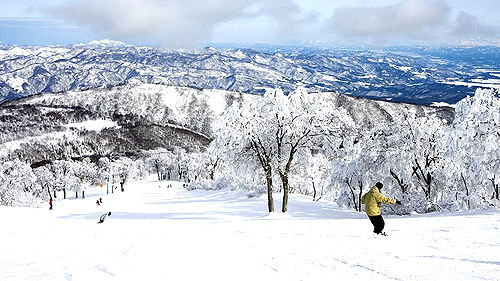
column 372, row 201
column 104, row 216
column 50, row 204
column 97, row 203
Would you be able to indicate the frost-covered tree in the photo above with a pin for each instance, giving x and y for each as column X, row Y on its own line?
column 473, row 150
column 415, row 159
column 301, row 120
column 46, row 180
column 125, row 170
column 18, row 186
column 314, row 175
column 242, row 136
column 64, row 175
column 104, row 173
column 197, row 166
column 358, row 162
column 273, row 129
column 162, row 161
column 180, row 163
column 86, row 173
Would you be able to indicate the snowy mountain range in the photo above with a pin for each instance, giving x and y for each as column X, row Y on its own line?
column 413, row 75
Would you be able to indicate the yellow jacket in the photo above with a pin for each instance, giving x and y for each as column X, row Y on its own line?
column 372, row 201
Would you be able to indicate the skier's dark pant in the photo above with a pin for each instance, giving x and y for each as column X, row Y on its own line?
column 378, row 223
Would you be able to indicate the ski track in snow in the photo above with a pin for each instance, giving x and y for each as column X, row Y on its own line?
column 159, row 233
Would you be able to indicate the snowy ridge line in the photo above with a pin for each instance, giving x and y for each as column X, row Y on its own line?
column 187, row 129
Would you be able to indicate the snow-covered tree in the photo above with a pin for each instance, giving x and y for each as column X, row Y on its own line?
column 352, row 176
column 104, row 173
column 314, row 175
column 301, row 120
column 18, row 186
column 126, row 170
column 415, row 160
column 64, row 175
column 242, row 135
column 162, row 161
column 86, row 173
column 275, row 128
column 473, row 150
column 46, row 180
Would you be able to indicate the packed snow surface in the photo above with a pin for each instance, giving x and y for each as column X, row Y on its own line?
column 160, row 233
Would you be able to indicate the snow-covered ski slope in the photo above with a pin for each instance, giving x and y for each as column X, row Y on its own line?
column 160, row 233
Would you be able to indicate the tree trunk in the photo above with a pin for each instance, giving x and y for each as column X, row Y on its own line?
column 179, row 171
column 496, row 188
column 107, row 185
column 83, row 194
column 157, row 170
column 265, row 162
column 314, row 191
column 76, row 192
column 284, row 177
column 50, row 194
column 400, row 182
column 425, row 177
column 214, row 167
column 286, row 189
column 466, row 190
column 55, row 195
column 269, row 182
column 64, row 193
column 348, row 181
column 360, row 195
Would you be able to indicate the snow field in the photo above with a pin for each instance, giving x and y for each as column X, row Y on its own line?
column 160, row 233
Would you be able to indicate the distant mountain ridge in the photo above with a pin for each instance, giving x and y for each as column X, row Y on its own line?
column 397, row 75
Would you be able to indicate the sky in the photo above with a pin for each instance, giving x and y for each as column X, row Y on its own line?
column 195, row 23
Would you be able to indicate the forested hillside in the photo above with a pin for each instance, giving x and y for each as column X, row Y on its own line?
column 326, row 145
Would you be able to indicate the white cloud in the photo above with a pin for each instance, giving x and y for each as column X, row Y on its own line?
column 190, row 23
column 291, row 21
column 409, row 19
column 174, row 23
column 469, row 25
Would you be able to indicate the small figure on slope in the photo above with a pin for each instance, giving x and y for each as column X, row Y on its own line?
column 372, row 201
column 97, row 203
column 50, row 204
column 103, row 217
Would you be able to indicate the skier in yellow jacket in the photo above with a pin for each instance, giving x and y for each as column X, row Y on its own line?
column 372, row 201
